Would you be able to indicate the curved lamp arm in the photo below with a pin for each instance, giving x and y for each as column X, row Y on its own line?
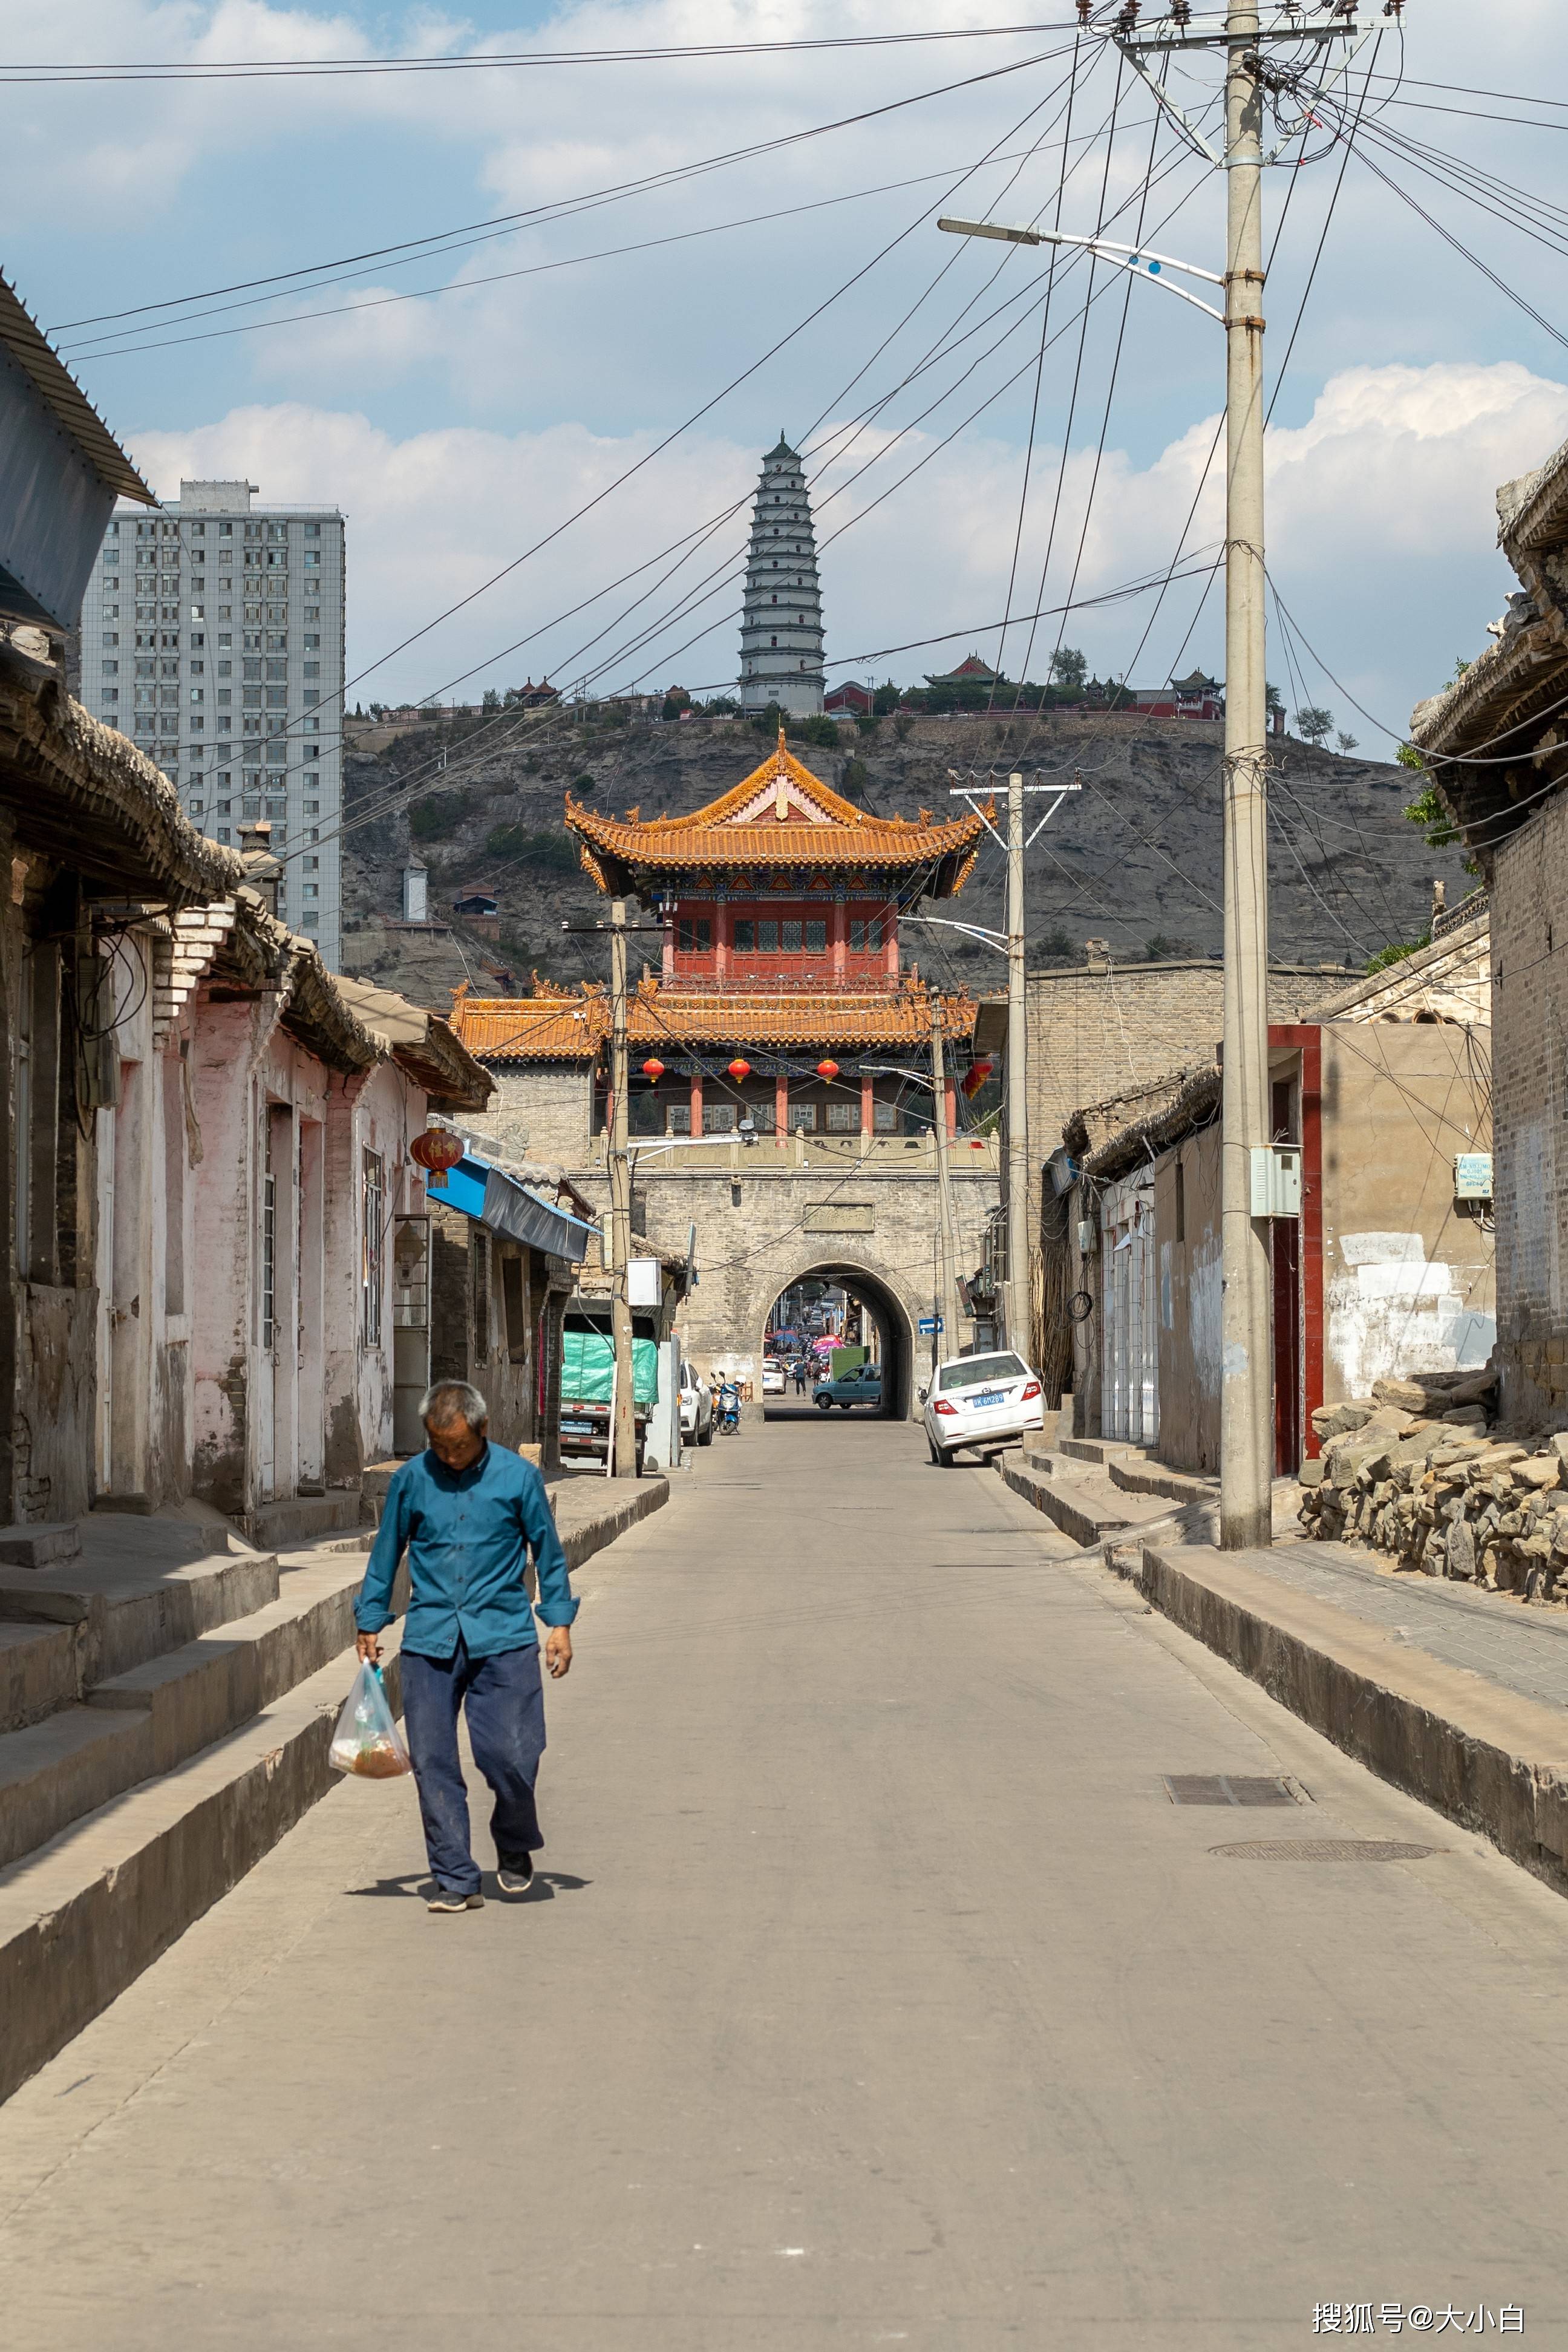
column 1142, row 264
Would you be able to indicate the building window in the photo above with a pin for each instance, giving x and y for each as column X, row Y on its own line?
column 843, row 1117
column 816, row 939
column 789, row 938
column 767, row 939
column 680, row 1115
column 720, row 1119
column 112, row 669
column 803, row 1118
column 885, row 1117
column 745, row 937
column 373, row 1247
column 865, row 938
column 695, row 938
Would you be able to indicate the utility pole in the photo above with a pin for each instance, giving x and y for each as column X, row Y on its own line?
column 624, row 1435
column 1247, row 1386
column 945, row 1342
column 1018, row 1282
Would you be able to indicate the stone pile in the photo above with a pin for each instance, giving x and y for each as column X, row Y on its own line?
column 1419, row 1473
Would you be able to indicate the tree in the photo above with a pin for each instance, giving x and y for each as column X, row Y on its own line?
column 886, row 697
column 491, row 700
column 675, row 702
column 1347, row 743
column 1068, row 669
column 853, row 782
column 1313, row 722
column 1273, row 699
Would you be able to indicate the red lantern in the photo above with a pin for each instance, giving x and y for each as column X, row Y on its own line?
column 828, row 1069
column 653, row 1068
column 739, row 1069
column 437, row 1149
column 977, row 1077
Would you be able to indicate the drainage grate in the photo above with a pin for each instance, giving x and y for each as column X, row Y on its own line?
column 1326, row 1850
column 1232, row 1789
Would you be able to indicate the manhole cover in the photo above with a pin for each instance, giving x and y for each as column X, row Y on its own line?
column 1325, row 1849
column 1232, row 1789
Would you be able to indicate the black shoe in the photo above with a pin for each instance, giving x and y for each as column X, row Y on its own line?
column 451, row 1899
column 515, row 1877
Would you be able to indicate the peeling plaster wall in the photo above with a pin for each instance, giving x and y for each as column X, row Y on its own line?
column 1529, row 1029
column 1408, row 1279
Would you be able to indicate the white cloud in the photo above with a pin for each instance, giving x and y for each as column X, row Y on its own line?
column 1380, row 533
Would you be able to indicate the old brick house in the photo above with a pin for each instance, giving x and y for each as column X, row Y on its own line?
column 1496, row 746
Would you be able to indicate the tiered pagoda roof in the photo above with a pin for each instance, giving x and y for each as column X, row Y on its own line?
column 573, row 1028
column 779, row 818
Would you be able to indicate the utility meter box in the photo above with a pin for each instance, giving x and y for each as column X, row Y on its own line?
column 1473, row 1176
column 1087, row 1238
column 644, row 1282
column 1276, row 1180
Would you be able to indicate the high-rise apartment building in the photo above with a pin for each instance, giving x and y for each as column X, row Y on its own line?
column 212, row 634
column 781, row 628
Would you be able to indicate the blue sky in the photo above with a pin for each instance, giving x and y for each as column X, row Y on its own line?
column 456, row 431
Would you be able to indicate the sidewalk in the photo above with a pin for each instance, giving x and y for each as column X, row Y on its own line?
column 1460, row 1697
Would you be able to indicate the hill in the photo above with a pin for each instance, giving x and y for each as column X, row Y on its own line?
column 1133, row 858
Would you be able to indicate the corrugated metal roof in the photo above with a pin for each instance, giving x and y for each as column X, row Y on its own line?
column 63, row 397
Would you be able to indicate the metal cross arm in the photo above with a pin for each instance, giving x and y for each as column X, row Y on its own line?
column 1120, row 256
column 620, row 929
column 1058, row 793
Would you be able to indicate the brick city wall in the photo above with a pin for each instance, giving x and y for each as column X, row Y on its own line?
column 1530, row 1081
column 1097, row 1034
column 540, row 1112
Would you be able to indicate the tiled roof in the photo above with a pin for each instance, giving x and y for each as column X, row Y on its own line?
column 781, row 815
column 553, row 1029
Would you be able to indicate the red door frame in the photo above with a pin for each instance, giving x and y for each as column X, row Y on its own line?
column 1306, row 1038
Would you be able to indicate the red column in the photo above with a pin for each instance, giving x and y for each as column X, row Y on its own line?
column 723, row 934
column 951, row 1096
column 868, row 1093
column 781, row 1109
column 669, row 957
column 697, row 1102
column 840, row 938
column 890, row 925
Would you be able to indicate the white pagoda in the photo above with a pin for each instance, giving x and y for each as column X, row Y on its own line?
column 781, row 633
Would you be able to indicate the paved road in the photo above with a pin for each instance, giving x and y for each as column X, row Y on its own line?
column 878, row 1995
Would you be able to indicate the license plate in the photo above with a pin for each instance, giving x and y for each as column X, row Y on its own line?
column 988, row 1396
column 577, row 1429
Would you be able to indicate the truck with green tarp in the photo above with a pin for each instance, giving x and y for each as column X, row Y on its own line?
column 588, row 1379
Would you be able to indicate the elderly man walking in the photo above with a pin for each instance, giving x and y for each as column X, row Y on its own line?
column 469, row 1513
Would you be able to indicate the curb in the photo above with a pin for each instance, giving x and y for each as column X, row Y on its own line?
column 1489, row 1760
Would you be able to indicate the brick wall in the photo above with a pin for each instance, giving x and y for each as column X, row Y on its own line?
column 538, row 1112
column 1529, row 1079
column 1095, row 1034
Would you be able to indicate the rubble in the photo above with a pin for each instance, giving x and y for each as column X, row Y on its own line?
column 1416, row 1471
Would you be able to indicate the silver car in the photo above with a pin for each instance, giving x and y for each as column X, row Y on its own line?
column 981, row 1401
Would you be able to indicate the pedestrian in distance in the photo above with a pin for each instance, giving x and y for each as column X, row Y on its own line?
column 800, row 1376
column 469, row 1514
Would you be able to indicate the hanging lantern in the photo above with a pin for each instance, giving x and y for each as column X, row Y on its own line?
column 739, row 1069
column 653, row 1068
column 828, row 1069
column 437, row 1149
column 975, row 1078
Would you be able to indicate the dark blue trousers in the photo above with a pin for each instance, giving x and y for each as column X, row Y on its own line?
column 503, row 1699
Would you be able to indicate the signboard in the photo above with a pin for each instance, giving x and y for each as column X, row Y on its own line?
column 930, row 1324
column 840, row 1217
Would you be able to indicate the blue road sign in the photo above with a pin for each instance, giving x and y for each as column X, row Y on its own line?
column 929, row 1323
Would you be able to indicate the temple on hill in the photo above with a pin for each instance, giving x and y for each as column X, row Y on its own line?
column 781, row 1005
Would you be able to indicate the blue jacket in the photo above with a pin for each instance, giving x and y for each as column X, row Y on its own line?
column 467, row 1535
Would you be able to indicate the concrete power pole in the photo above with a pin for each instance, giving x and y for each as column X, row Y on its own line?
column 1247, row 1387
column 1018, row 1283
column 946, row 1339
column 624, row 1435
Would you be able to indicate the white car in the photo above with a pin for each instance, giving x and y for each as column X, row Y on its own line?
column 773, row 1382
column 981, row 1401
column 696, row 1407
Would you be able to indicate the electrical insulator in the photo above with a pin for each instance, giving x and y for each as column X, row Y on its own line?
column 1181, row 12
column 1393, row 7
column 1083, row 9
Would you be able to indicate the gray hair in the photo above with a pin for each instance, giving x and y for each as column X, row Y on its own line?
column 446, row 1401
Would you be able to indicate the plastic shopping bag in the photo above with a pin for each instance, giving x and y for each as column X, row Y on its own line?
column 367, row 1740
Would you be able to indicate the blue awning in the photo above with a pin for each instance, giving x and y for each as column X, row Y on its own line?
column 494, row 1199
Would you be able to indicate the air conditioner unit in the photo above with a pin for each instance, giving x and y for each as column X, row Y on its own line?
column 1276, row 1180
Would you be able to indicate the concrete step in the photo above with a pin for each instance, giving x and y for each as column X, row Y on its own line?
column 1092, row 1449
column 1080, row 1501
column 1136, row 1474
column 83, row 1915
column 207, row 1688
column 55, row 1771
column 39, row 1671
column 40, row 1544
column 135, row 1592
column 304, row 1518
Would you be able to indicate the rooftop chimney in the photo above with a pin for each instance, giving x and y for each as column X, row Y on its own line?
column 262, row 870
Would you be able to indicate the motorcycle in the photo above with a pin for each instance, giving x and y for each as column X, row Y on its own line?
column 727, row 1409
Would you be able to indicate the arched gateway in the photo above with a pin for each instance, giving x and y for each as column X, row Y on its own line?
column 780, row 1106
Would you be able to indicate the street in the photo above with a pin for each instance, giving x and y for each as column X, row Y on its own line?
column 875, row 1992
